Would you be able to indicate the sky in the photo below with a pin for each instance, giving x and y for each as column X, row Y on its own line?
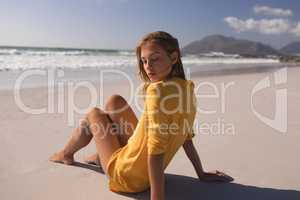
column 119, row 24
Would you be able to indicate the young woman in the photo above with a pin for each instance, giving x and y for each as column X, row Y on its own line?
column 134, row 157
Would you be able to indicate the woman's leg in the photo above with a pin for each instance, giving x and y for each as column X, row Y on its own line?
column 100, row 129
column 123, row 117
column 80, row 137
column 103, row 134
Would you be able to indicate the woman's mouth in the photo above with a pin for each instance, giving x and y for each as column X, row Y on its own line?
column 151, row 74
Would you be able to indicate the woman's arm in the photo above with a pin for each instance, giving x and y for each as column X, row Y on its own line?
column 192, row 154
column 156, row 176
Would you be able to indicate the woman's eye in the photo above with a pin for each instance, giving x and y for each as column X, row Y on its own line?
column 151, row 60
column 154, row 59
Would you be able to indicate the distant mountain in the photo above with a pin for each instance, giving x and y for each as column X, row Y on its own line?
column 229, row 45
column 292, row 48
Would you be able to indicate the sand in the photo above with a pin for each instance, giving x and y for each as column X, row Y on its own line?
column 264, row 161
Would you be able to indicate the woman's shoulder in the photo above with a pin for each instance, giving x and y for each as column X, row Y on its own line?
column 168, row 86
column 184, row 82
column 172, row 94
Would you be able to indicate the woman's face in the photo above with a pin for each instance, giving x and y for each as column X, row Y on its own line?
column 156, row 62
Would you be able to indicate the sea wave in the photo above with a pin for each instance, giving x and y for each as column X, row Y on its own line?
column 62, row 52
column 44, row 58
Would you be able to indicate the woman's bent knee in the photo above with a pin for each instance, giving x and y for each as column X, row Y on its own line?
column 116, row 103
column 94, row 113
column 98, row 121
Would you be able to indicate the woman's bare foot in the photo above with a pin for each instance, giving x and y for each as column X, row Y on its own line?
column 93, row 160
column 61, row 157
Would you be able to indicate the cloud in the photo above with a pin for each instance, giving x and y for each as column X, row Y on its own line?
column 264, row 26
column 273, row 26
column 278, row 12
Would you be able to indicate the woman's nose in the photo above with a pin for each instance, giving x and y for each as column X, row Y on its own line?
column 149, row 64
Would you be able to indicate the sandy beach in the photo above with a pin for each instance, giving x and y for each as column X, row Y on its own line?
column 231, row 138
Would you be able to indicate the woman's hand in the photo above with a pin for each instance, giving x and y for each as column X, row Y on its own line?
column 215, row 176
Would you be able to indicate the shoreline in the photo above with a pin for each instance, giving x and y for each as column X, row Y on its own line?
column 95, row 75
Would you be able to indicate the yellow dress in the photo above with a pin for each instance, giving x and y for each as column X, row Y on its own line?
column 166, row 122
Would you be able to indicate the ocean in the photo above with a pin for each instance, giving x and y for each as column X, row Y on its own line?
column 82, row 64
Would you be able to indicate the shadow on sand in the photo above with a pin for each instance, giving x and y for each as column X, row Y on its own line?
column 180, row 187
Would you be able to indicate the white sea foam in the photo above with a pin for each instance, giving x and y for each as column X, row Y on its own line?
column 43, row 58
